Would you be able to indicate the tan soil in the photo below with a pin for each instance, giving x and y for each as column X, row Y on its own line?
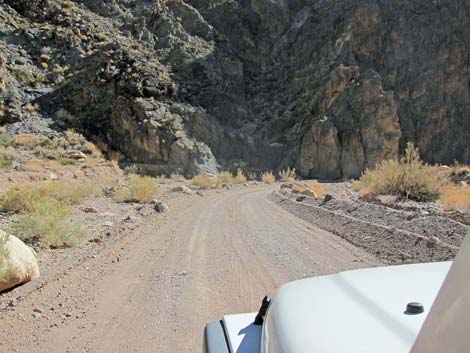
column 153, row 288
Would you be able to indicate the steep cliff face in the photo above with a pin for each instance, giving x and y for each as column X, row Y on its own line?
column 328, row 87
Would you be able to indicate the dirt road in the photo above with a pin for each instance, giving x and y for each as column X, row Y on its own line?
column 154, row 289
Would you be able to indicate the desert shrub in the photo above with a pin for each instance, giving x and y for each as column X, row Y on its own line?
column 240, row 177
column 268, row 178
column 47, row 224
column 287, row 174
column 313, row 186
column 19, row 198
column 68, row 192
column 226, row 177
column 142, row 189
column 93, row 149
column 48, row 153
column 7, row 156
column 5, row 141
column 5, row 163
column 66, row 161
column 408, row 177
column 74, row 138
column 30, row 141
column 34, row 166
column 317, row 188
column 455, row 198
column 459, row 170
column 203, row 181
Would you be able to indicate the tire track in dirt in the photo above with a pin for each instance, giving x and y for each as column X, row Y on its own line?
column 154, row 290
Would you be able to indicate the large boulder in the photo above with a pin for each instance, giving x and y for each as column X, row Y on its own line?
column 18, row 262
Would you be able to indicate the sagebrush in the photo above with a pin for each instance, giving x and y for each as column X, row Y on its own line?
column 408, row 177
column 240, row 177
column 203, row 181
column 288, row 174
column 47, row 224
column 455, row 198
column 268, row 177
column 142, row 189
column 19, row 198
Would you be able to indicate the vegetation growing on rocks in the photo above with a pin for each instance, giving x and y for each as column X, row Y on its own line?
column 175, row 86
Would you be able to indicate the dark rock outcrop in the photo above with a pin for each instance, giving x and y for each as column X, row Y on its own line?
column 328, row 87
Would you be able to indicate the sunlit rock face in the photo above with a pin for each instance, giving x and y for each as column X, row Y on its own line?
column 328, row 87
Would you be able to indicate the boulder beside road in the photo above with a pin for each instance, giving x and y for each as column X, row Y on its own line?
column 18, row 265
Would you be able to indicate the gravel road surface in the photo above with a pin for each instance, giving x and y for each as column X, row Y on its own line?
column 154, row 289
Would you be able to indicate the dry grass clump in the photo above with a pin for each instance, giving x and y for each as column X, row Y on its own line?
column 240, row 177
column 317, row 188
column 204, row 181
column 313, row 186
column 66, row 161
column 459, row 170
column 409, row 178
column 93, row 149
column 268, row 178
column 20, row 198
column 54, row 165
column 43, row 211
column 142, row 189
column 225, row 178
column 34, row 166
column 5, row 141
column 287, row 175
column 47, row 224
column 70, row 193
column 455, row 198
column 30, row 141
column 74, row 138
column 7, row 157
column 5, row 163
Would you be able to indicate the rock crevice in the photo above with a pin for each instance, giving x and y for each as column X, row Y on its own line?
column 328, row 87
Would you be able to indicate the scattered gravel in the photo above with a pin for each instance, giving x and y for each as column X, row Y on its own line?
column 392, row 235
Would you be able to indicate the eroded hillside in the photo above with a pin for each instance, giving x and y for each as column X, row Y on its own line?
column 328, row 87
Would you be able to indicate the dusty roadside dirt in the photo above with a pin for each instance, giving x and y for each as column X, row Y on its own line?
column 153, row 289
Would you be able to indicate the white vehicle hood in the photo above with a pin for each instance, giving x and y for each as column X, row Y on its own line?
column 360, row 311
column 242, row 335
